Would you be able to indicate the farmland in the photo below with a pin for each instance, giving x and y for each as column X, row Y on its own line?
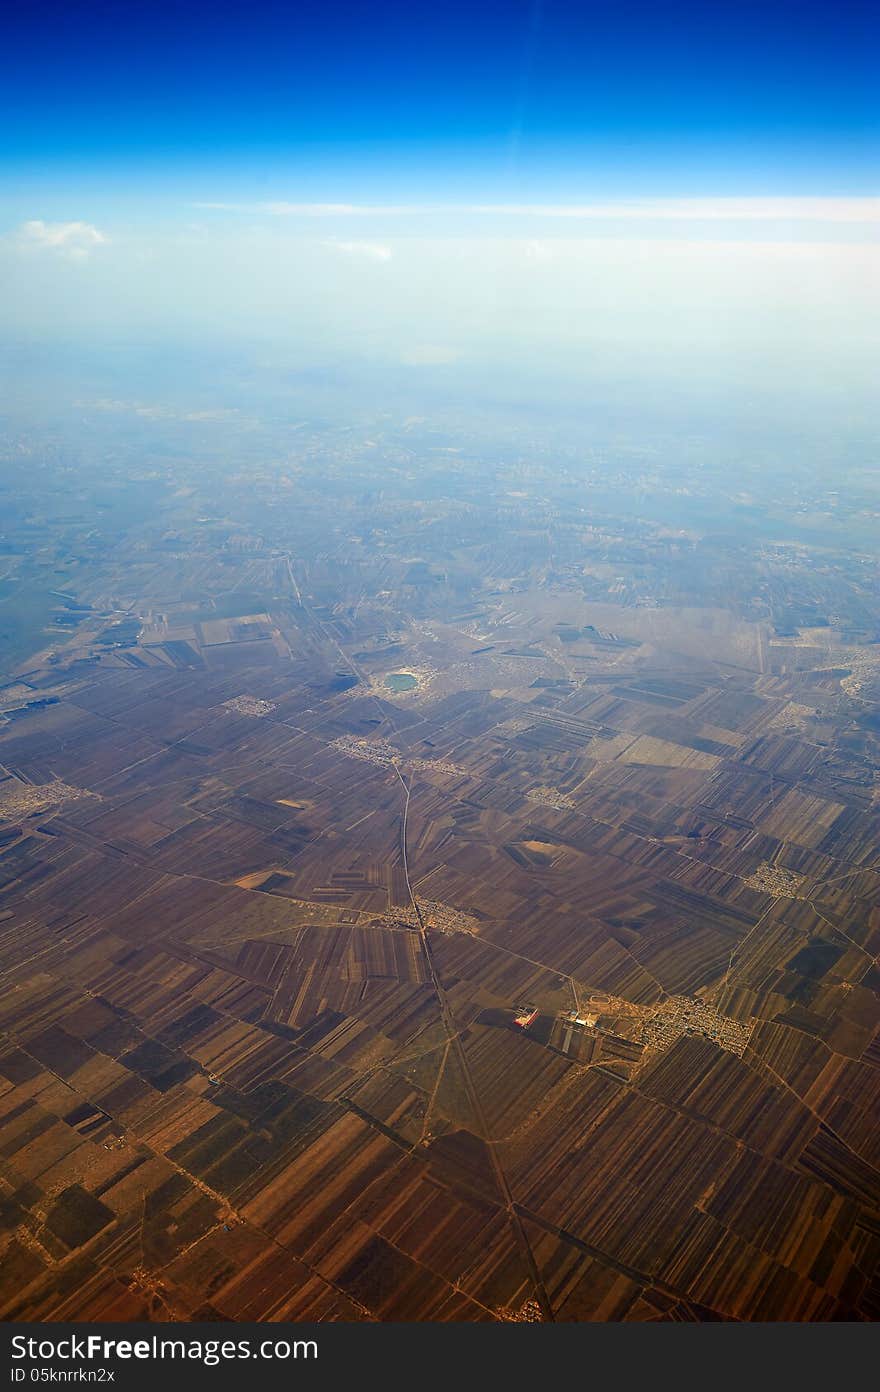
column 542, row 985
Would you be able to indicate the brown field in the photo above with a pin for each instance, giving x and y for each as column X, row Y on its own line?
column 259, row 1056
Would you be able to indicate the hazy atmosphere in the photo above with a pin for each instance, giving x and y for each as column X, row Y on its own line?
column 439, row 674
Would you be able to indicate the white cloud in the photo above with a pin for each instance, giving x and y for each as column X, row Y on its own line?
column 702, row 209
column 538, row 251
column 283, row 209
column 313, row 209
column 836, row 210
column 73, row 240
column 369, row 251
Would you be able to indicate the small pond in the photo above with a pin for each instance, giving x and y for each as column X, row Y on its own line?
column 401, row 681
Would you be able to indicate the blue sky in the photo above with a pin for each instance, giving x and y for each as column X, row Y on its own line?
column 501, row 98
column 425, row 184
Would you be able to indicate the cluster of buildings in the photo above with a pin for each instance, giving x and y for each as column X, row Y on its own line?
column 249, row 705
column 688, row 1015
